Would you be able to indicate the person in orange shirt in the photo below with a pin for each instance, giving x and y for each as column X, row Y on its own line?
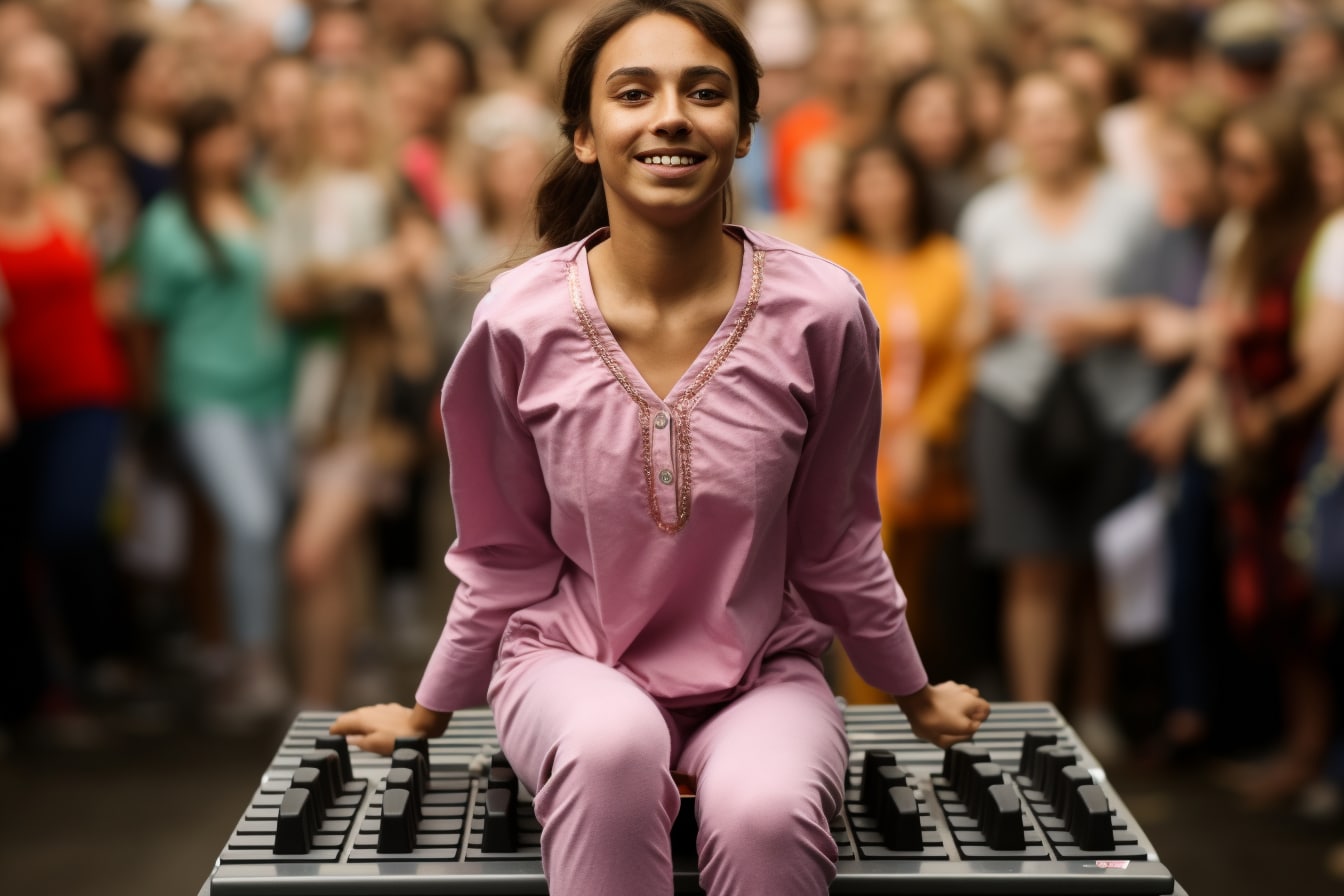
column 838, row 110
column 915, row 280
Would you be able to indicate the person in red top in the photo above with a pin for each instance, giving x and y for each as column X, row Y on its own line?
column 63, row 382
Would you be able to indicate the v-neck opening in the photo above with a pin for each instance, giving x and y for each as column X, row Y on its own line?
column 707, row 352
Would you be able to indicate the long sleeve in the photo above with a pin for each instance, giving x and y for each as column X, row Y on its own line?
column 835, row 558
column 504, row 555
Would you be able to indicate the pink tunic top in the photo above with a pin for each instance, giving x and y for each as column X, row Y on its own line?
column 680, row 541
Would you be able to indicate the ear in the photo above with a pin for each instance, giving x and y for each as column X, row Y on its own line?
column 585, row 148
column 744, row 142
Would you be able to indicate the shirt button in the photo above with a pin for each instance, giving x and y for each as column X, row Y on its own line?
column 665, row 477
column 660, row 420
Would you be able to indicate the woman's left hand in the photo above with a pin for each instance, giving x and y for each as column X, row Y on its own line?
column 946, row 713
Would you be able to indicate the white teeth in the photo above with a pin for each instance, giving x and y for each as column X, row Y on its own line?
column 669, row 160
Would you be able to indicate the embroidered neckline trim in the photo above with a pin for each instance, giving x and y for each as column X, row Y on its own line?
column 683, row 403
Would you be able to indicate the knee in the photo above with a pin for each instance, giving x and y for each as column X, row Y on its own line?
column 615, row 751
column 749, row 819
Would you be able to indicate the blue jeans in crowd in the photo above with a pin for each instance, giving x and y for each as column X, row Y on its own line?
column 242, row 464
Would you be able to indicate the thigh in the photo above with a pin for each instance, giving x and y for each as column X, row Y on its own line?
column 783, row 739
column 228, row 460
column 552, row 705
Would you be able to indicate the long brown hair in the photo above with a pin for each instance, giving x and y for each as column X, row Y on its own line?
column 570, row 201
column 201, row 118
column 1281, row 228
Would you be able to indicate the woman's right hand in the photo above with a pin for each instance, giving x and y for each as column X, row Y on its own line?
column 376, row 728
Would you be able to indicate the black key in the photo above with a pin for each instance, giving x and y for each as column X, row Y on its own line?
column 419, row 744
column 1001, row 821
column 499, row 760
column 1053, row 761
column 870, row 785
column 501, row 822
column 1071, row 777
column 338, row 743
column 405, row 779
column 415, row 761
column 310, row 779
column 898, row 820
column 1031, row 742
column 1090, row 819
column 328, row 765
column 963, row 756
column 294, row 826
column 503, row 778
column 983, row 776
column 396, row 828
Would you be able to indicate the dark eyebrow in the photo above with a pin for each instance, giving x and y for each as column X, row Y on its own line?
column 694, row 73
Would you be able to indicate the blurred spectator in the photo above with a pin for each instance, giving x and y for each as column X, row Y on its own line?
column 143, row 71
column 224, row 365
column 1315, row 52
column 915, row 280
column 1165, row 72
column 989, row 84
column 1245, row 43
column 445, row 67
column 930, row 112
column 42, row 69
column 782, row 33
column 509, row 140
column 1324, row 131
column 1045, row 247
column 63, row 387
column 363, row 385
column 278, row 115
column 1091, row 66
column 837, row 108
column 94, row 169
column 1260, row 417
column 340, row 37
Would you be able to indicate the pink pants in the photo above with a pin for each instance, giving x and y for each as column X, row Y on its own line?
column 596, row 751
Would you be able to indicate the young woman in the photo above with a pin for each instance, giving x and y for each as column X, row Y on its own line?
column 1047, row 248
column 663, row 434
column 63, row 388
column 915, row 280
column 224, row 364
column 364, row 389
column 1274, row 360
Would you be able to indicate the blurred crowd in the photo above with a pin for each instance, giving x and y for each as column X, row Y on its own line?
column 241, row 240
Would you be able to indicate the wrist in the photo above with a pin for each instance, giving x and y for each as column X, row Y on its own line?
column 915, row 701
column 428, row 722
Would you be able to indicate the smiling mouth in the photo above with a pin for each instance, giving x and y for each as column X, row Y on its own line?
column 671, row 161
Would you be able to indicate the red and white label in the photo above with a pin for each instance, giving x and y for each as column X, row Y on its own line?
column 1121, row 864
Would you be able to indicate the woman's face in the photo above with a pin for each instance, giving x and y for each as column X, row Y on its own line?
column 341, row 127
column 279, row 108
column 155, row 82
column 932, row 122
column 222, row 153
column 1247, row 169
column 880, row 194
column 24, row 151
column 663, row 121
column 511, row 174
column 1326, row 147
column 1049, row 130
column 1187, row 179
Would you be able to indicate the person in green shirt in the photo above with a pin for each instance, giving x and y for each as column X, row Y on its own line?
column 223, row 370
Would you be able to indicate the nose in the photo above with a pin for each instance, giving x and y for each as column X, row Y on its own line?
column 671, row 119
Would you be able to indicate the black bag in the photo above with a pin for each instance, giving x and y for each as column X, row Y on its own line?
column 1063, row 440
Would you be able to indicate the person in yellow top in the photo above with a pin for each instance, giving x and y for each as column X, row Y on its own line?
column 915, row 279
